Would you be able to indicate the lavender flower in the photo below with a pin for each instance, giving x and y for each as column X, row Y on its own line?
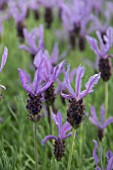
column 31, row 39
column 4, row 58
column 102, row 124
column 47, row 65
column 75, row 112
column 47, row 73
column 59, row 146
column 18, row 10
column 109, row 156
column 35, row 90
column 62, row 86
column 75, row 17
column 106, row 42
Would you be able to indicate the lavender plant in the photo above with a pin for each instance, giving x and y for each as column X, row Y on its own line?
column 102, row 124
column 106, row 42
column 47, row 73
column 75, row 112
column 4, row 58
column 18, row 11
column 109, row 156
column 31, row 39
column 35, row 93
column 59, row 145
column 104, row 63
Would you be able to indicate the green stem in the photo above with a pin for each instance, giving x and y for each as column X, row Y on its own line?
column 106, row 98
column 81, row 140
column 35, row 146
column 57, row 165
column 71, row 151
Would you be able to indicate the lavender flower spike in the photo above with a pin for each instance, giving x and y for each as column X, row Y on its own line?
column 4, row 58
column 105, row 42
column 75, row 112
column 35, row 90
column 102, row 124
column 31, row 38
column 59, row 146
column 109, row 156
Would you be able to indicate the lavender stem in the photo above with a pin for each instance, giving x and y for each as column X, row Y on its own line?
column 106, row 98
column 71, row 150
column 35, row 146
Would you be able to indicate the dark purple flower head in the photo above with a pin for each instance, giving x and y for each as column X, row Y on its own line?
column 62, row 129
column 109, row 156
column 89, row 85
column 105, row 43
column 4, row 58
column 31, row 39
column 102, row 124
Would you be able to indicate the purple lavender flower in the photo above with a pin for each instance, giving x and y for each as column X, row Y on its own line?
column 106, row 42
column 102, row 124
column 47, row 72
column 35, row 90
column 75, row 17
column 109, row 156
column 75, row 112
column 31, row 39
column 48, row 68
column 59, row 146
column 89, row 85
column 4, row 58
column 18, row 11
